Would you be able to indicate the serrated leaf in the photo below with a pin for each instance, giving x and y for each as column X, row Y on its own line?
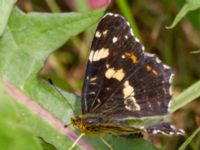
column 5, row 10
column 190, row 5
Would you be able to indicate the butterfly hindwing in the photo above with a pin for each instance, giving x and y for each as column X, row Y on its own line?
column 163, row 128
column 121, row 80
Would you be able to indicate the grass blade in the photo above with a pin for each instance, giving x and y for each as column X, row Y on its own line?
column 186, row 97
column 184, row 145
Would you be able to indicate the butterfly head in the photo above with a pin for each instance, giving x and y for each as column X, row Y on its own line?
column 86, row 123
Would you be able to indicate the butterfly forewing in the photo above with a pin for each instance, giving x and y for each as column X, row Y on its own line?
column 121, row 80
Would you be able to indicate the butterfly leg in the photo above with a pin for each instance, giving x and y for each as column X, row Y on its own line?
column 106, row 143
column 76, row 141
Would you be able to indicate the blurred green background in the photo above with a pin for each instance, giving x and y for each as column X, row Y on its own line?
column 178, row 47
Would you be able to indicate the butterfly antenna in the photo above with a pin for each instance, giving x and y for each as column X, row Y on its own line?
column 76, row 141
column 106, row 143
column 51, row 82
column 67, row 125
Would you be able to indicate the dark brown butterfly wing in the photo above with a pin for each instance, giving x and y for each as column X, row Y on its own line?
column 121, row 80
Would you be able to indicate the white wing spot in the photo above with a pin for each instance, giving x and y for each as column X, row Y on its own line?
column 107, row 88
column 114, row 39
column 107, row 65
column 98, row 34
column 162, row 132
column 166, row 67
column 171, row 126
column 100, row 54
column 92, row 93
column 98, row 100
column 109, row 73
column 95, row 56
column 171, row 78
column 126, row 37
column 93, row 79
column 123, row 57
column 108, row 14
column 181, row 132
column 155, row 131
column 142, row 48
column 170, row 90
column 158, row 60
column 91, row 55
column 128, row 23
column 137, row 40
column 128, row 107
column 93, row 83
column 116, row 15
column 149, row 54
column 128, row 89
column 130, row 102
column 117, row 74
column 87, row 77
column 105, row 32
column 131, row 31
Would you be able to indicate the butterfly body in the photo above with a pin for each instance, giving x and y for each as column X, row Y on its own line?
column 100, row 126
column 123, row 82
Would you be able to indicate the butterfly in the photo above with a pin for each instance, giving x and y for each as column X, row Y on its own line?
column 122, row 84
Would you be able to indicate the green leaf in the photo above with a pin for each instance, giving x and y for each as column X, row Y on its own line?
column 188, row 6
column 26, row 43
column 137, row 144
column 45, row 145
column 185, row 97
column 188, row 141
column 5, row 10
column 119, row 143
column 13, row 135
